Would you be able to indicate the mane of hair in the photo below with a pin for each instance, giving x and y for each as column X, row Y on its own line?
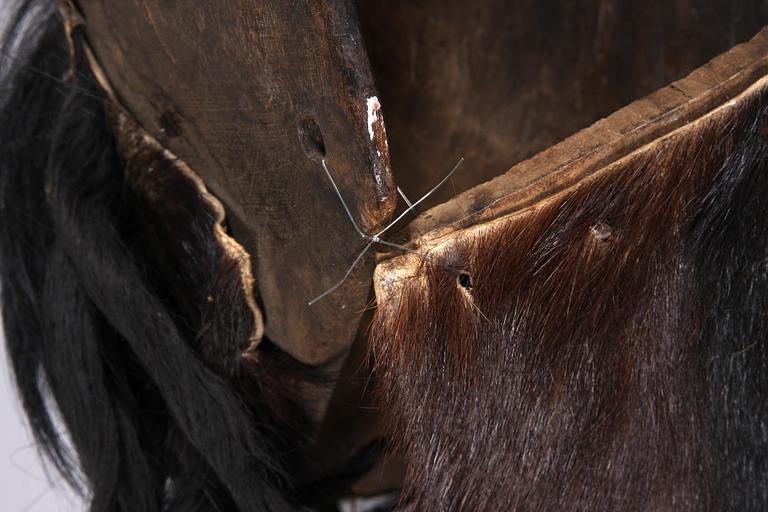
column 606, row 351
column 133, row 337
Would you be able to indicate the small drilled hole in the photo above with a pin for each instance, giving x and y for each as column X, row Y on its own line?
column 465, row 281
column 311, row 138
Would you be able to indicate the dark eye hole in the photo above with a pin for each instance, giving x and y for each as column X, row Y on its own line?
column 465, row 280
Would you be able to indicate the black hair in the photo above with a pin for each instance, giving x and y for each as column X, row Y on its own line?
column 153, row 392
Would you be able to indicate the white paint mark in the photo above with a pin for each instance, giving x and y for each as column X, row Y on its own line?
column 379, row 179
column 374, row 107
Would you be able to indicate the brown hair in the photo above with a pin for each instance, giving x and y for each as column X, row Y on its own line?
column 604, row 350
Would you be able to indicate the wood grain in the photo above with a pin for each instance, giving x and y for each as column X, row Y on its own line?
column 252, row 95
column 637, row 128
column 498, row 81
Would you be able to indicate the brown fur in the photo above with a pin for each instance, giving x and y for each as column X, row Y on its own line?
column 573, row 361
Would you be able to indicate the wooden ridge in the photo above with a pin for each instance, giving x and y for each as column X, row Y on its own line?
column 593, row 149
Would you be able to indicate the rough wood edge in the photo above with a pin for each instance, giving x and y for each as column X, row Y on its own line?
column 229, row 245
column 591, row 149
column 390, row 273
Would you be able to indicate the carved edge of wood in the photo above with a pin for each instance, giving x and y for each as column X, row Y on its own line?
column 133, row 141
column 254, row 120
column 590, row 150
column 712, row 90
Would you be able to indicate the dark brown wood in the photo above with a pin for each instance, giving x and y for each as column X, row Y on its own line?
column 251, row 95
column 498, row 81
column 635, row 129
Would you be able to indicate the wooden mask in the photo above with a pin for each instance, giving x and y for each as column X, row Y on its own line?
column 575, row 320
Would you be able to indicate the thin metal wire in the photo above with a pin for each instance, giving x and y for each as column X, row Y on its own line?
column 407, row 201
column 375, row 239
column 346, row 275
column 455, row 168
column 343, row 203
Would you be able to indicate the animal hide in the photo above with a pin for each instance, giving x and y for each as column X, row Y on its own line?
column 602, row 350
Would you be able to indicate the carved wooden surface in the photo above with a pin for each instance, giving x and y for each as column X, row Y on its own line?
column 497, row 81
column 603, row 143
column 241, row 91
